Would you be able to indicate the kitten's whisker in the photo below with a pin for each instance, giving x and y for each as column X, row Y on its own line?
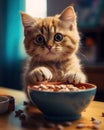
column 83, row 55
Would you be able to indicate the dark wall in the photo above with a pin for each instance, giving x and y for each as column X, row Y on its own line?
column 56, row 6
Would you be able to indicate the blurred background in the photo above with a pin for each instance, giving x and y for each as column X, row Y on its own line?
column 91, row 27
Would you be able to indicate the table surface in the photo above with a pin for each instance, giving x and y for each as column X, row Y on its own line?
column 35, row 120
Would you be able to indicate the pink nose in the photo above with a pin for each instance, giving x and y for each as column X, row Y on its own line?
column 49, row 47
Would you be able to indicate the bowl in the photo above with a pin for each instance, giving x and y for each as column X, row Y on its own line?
column 4, row 103
column 63, row 106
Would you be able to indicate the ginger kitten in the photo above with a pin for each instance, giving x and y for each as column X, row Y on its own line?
column 52, row 44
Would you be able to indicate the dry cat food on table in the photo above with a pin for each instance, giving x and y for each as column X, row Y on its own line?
column 31, row 120
column 93, row 125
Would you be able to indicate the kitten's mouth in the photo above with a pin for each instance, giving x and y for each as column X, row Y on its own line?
column 50, row 53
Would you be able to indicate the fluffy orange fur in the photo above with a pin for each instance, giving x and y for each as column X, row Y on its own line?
column 52, row 44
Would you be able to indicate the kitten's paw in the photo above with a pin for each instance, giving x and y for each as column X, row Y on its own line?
column 75, row 77
column 41, row 74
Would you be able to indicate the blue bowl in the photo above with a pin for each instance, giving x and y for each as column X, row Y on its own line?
column 62, row 106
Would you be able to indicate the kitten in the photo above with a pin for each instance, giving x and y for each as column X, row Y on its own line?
column 52, row 44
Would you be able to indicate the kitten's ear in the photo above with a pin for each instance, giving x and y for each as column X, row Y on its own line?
column 68, row 15
column 27, row 20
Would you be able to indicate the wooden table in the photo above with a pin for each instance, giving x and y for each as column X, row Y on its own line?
column 35, row 120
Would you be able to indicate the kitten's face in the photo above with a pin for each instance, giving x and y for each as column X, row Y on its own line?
column 52, row 38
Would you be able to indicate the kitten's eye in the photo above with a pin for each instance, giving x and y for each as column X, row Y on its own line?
column 39, row 39
column 58, row 37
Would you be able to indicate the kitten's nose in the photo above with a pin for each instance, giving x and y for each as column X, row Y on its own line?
column 49, row 47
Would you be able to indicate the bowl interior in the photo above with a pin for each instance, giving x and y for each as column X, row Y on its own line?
column 80, row 86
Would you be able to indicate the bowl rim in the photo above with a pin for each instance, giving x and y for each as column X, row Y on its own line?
column 92, row 87
column 4, row 101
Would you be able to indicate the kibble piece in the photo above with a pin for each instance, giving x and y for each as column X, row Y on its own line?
column 93, row 118
column 36, row 87
column 25, row 103
column 102, row 114
column 59, row 127
column 64, row 90
column 42, row 86
column 80, row 125
column 97, row 122
column 51, row 86
column 82, row 87
column 67, row 123
column 95, row 127
column 18, row 113
column 72, row 88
